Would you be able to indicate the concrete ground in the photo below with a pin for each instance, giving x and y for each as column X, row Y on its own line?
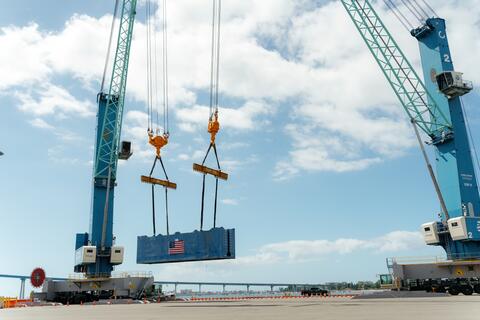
column 461, row 307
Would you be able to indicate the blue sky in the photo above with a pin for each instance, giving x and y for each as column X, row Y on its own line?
column 326, row 179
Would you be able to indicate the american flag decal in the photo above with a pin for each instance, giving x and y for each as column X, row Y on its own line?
column 176, row 247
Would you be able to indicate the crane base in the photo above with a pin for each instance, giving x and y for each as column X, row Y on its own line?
column 86, row 290
column 454, row 277
column 437, row 270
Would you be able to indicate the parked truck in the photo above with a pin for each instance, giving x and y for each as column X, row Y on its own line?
column 314, row 291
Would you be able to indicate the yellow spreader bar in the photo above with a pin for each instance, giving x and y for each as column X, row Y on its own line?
column 206, row 170
column 165, row 183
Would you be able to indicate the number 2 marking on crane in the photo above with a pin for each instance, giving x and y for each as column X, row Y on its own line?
column 446, row 58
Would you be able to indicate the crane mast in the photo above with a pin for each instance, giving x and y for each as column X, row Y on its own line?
column 435, row 107
column 453, row 156
column 96, row 254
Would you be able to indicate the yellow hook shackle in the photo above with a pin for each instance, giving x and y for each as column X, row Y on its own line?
column 213, row 127
column 157, row 141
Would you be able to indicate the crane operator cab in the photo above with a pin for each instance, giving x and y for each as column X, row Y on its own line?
column 451, row 84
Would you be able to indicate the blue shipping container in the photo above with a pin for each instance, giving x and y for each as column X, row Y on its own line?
column 214, row 244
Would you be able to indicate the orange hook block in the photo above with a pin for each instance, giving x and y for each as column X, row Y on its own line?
column 213, row 127
column 158, row 142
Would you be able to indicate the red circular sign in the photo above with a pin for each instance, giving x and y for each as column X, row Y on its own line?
column 37, row 277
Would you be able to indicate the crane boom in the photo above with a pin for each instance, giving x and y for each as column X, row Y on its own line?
column 410, row 90
column 109, row 125
column 106, row 158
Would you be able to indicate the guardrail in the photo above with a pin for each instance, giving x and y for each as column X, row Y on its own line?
column 6, row 303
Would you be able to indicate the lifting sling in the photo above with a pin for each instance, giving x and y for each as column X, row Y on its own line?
column 155, row 139
column 213, row 128
column 213, row 244
column 213, row 123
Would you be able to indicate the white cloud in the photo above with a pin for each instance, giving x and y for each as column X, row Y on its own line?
column 304, row 54
column 66, row 136
column 21, row 58
column 41, row 124
column 59, row 155
column 311, row 250
column 50, row 99
column 135, row 130
column 243, row 118
column 231, row 202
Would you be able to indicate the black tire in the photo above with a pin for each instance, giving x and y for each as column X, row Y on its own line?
column 467, row 290
column 454, row 290
column 476, row 288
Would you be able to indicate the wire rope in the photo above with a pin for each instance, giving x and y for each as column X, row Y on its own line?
column 109, row 48
column 391, row 6
column 430, row 8
column 155, row 73
column 421, row 8
column 405, row 3
column 212, row 62
column 149, row 71
column 417, row 11
column 218, row 54
column 166, row 127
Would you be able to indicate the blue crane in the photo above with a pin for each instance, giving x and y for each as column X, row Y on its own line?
column 95, row 251
column 433, row 106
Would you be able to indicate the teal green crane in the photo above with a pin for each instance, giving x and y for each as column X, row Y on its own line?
column 435, row 107
column 410, row 90
column 109, row 126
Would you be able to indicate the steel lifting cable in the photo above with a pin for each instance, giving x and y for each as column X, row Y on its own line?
column 421, row 8
column 166, row 128
column 155, row 139
column 213, row 125
column 398, row 14
column 110, row 40
column 430, row 8
column 406, row 4
column 107, row 194
column 149, row 70
column 412, row 4
column 155, row 74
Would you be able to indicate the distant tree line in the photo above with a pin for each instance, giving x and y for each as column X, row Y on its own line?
column 360, row 285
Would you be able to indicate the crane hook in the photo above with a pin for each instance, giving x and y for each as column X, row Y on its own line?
column 213, row 127
column 158, row 141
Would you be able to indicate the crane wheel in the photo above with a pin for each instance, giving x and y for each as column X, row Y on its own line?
column 467, row 290
column 476, row 288
column 454, row 290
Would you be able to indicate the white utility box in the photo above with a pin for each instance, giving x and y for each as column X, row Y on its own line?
column 458, row 228
column 85, row 255
column 430, row 233
column 117, row 255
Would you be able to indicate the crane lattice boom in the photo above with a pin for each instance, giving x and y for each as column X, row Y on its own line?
column 410, row 90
